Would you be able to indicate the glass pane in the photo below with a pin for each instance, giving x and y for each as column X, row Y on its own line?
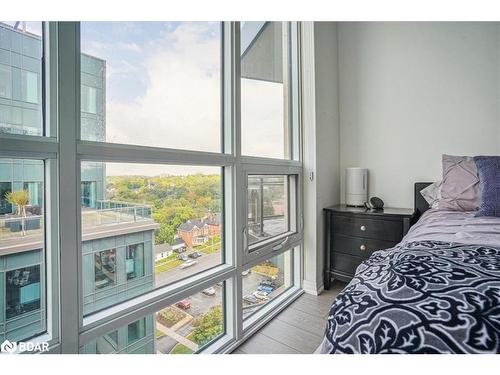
column 134, row 262
column 22, row 264
column 264, row 282
column 264, row 89
column 152, row 84
column 105, row 267
column 185, row 327
column 267, row 207
column 146, row 226
column 21, row 78
column 136, row 331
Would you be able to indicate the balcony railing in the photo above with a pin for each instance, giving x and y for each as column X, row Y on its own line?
column 14, row 229
column 114, row 212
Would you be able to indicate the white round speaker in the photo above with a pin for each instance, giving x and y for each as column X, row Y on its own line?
column 356, row 186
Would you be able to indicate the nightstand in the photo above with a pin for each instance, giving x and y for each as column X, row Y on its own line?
column 353, row 234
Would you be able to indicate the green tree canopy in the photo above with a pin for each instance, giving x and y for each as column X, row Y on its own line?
column 208, row 326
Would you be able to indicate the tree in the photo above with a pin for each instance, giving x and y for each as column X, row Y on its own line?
column 20, row 199
column 208, row 326
column 165, row 234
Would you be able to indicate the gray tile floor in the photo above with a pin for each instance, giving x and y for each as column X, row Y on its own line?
column 298, row 329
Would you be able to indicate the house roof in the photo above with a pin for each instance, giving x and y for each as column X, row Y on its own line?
column 162, row 248
column 165, row 247
column 178, row 241
column 189, row 225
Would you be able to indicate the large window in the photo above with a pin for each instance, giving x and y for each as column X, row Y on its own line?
column 268, row 205
column 22, row 249
column 265, row 281
column 164, row 223
column 184, row 327
column 165, row 200
column 265, row 89
column 152, row 83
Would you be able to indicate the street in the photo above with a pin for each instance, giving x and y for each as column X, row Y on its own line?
column 203, row 263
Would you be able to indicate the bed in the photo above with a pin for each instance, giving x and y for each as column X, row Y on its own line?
column 437, row 291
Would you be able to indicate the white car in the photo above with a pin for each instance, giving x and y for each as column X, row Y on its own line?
column 261, row 295
column 189, row 263
column 209, row 291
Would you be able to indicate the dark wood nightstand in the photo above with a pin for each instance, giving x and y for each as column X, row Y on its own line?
column 353, row 234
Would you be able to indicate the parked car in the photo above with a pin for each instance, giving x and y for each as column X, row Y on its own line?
column 182, row 257
column 195, row 255
column 184, row 304
column 180, row 250
column 245, row 273
column 270, row 283
column 209, row 291
column 261, row 295
column 265, row 289
column 250, row 299
column 189, row 263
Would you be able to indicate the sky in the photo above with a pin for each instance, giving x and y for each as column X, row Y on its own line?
column 163, row 89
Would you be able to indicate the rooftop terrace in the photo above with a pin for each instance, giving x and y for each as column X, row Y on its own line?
column 110, row 218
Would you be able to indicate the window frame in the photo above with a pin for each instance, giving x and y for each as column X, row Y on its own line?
column 293, row 236
column 63, row 150
column 45, row 147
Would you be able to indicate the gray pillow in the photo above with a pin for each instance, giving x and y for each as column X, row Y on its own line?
column 460, row 186
column 432, row 193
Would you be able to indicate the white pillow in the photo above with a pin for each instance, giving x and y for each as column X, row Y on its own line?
column 432, row 193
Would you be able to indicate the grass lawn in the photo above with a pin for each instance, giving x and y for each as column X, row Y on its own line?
column 158, row 334
column 168, row 265
column 181, row 349
column 208, row 248
column 167, row 259
column 266, row 270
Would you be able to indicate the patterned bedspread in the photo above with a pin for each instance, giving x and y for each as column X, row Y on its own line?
column 420, row 297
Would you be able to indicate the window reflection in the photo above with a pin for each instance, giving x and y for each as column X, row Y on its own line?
column 135, row 261
column 105, row 263
column 22, row 291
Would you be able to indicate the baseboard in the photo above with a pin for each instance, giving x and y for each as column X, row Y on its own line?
column 310, row 287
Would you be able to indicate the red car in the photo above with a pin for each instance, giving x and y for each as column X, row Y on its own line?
column 184, row 304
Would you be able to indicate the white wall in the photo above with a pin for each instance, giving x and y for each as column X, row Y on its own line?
column 410, row 92
column 321, row 142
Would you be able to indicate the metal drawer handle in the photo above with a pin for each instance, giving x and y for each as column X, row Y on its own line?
column 362, row 248
column 363, row 228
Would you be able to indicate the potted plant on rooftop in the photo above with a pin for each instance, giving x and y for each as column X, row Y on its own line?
column 20, row 199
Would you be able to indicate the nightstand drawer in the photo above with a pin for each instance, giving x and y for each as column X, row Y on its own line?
column 388, row 230
column 345, row 264
column 361, row 247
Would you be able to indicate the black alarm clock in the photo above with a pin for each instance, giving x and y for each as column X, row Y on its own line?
column 375, row 204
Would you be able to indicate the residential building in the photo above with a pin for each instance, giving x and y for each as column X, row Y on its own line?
column 197, row 232
column 164, row 250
